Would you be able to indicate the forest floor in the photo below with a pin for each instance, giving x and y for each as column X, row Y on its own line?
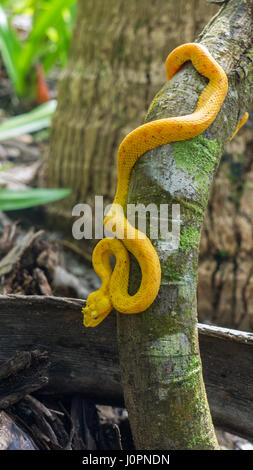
column 43, row 263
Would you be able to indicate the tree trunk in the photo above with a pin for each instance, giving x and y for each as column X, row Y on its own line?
column 160, row 364
column 225, row 288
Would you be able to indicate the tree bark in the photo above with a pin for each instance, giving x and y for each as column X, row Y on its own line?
column 160, row 364
column 225, row 288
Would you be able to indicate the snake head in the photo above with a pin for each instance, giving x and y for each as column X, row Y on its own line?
column 98, row 306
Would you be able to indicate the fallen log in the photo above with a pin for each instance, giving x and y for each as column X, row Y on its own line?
column 86, row 361
column 82, row 360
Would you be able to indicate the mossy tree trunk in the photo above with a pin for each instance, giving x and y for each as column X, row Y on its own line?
column 160, row 362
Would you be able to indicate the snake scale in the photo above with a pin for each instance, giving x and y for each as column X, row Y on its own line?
column 114, row 289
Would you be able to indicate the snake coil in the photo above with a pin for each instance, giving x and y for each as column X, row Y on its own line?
column 114, row 289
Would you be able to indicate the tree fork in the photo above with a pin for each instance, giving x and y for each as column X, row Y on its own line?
column 160, row 363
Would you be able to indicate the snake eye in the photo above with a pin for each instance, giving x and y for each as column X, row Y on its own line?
column 94, row 315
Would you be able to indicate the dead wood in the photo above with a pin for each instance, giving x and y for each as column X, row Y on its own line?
column 85, row 361
column 22, row 374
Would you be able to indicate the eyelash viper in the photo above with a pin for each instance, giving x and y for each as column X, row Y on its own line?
column 114, row 289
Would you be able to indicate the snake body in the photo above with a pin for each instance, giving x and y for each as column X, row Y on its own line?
column 114, row 289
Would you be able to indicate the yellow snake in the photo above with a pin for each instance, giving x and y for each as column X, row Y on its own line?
column 114, row 289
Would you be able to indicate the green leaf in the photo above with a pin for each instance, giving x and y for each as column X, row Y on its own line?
column 45, row 20
column 10, row 48
column 35, row 120
column 22, row 199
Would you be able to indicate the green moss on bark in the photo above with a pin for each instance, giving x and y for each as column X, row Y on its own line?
column 199, row 157
column 189, row 239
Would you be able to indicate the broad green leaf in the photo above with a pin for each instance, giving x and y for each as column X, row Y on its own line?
column 25, row 198
column 35, row 120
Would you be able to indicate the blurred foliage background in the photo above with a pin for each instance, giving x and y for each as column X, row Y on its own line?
column 34, row 42
column 34, row 37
